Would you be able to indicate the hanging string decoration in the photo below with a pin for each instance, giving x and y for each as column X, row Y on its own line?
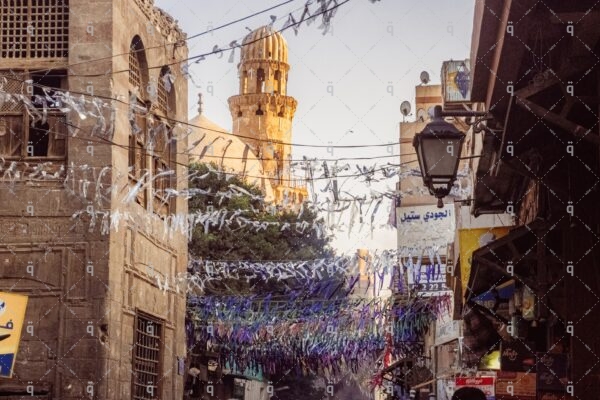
column 329, row 336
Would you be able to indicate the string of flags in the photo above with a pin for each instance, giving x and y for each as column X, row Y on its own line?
column 326, row 336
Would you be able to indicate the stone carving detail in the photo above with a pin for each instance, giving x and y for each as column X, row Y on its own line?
column 165, row 23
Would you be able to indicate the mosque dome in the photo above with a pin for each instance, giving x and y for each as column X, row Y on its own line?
column 264, row 43
column 209, row 143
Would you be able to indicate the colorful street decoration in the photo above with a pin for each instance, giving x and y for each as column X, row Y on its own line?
column 319, row 335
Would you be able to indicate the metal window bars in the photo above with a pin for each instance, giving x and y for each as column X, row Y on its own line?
column 147, row 356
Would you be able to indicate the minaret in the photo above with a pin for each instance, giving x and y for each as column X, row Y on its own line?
column 262, row 109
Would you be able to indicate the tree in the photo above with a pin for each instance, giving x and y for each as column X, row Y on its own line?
column 246, row 243
column 237, row 243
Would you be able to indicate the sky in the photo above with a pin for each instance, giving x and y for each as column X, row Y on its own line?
column 349, row 83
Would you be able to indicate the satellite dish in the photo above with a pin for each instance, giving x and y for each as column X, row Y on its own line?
column 405, row 108
column 421, row 115
column 424, row 77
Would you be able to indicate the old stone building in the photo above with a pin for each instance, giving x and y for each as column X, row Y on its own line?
column 90, row 153
column 262, row 115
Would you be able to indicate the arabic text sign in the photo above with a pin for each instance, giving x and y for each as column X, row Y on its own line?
column 427, row 279
column 421, row 226
column 12, row 314
column 418, row 273
column 483, row 383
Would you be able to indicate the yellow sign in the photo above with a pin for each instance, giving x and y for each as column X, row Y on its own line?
column 12, row 315
column 470, row 240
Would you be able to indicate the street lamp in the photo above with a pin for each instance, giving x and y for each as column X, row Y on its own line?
column 438, row 149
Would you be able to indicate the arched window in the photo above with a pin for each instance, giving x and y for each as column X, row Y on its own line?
column 245, row 82
column 278, row 82
column 138, row 80
column 259, row 111
column 165, row 92
column 138, row 66
column 260, row 80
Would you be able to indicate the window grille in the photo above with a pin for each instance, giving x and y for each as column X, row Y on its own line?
column 23, row 135
column 260, row 80
column 163, row 160
column 147, row 355
column 163, row 95
column 34, row 29
column 12, row 84
column 137, row 153
column 135, row 75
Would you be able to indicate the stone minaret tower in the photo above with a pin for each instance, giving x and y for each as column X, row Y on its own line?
column 262, row 109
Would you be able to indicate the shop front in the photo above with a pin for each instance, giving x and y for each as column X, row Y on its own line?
column 519, row 329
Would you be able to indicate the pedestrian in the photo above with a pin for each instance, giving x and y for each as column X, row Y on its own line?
column 468, row 393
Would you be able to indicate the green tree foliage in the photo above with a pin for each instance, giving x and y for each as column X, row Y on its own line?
column 246, row 243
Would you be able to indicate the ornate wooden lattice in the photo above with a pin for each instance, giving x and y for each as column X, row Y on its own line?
column 12, row 84
column 135, row 73
column 34, row 29
column 22, row 137
column 162, row 95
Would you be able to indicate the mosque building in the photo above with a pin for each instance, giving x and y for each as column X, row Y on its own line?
column 259, row 145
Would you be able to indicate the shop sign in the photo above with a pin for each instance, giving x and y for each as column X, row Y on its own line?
column 456, row 81
column 426, row 277
column 425, row 226
column 470, row 240
column 12, row 315
column 483, row 383
column 447, row 331
column 517, row 356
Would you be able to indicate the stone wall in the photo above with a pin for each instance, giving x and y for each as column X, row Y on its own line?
column 85, row 283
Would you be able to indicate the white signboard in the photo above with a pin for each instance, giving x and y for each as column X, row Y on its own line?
column 446, row 331
column 425, row 226
column 483, row 383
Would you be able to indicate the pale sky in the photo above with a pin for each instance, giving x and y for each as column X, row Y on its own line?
column 371, row 61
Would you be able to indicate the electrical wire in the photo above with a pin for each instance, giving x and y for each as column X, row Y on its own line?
column 189, row 153
column 174, row 43
column 199, row 56
column 126, row 147
column 188, row 124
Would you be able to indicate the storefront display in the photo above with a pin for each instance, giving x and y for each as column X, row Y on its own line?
column 483, row 383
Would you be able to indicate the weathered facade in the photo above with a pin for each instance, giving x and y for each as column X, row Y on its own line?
column 535, row 70
column 262, row 112
column 78, row 237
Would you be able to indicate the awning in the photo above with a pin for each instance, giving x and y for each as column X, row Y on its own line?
column 510, row 257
